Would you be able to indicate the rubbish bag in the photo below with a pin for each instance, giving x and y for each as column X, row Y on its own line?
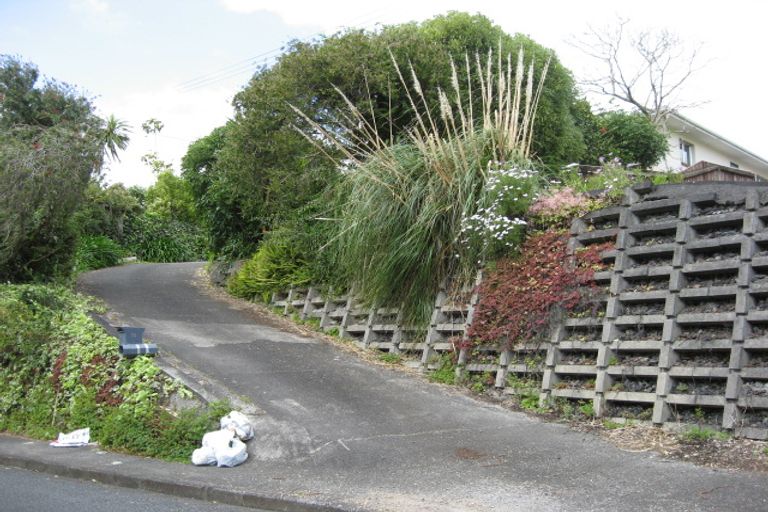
column 218, row 439
column 205, row 456
column 225, row 447
column 231, row 455
column 238, row 422
column 222, row 448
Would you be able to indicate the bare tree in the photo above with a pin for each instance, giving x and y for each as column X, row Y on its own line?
column 645, row 69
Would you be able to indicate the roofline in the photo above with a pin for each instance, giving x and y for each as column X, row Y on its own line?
column 716, row 136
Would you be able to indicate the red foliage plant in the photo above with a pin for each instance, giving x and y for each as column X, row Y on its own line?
column 58, row 366
column 519, row 298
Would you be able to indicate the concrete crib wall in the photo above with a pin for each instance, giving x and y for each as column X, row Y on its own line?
column 683, row 335
column 680, row 335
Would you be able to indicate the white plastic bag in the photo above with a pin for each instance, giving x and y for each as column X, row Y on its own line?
column 218, row 439
column 221, row 448
column 231, row 455
column 238, row 422
column 205, row 456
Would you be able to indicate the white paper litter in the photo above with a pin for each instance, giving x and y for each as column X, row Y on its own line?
column 73, row 439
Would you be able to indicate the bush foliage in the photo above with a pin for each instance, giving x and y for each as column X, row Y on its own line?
column 162, row 240
column 95, row 252
column 522, row 296
column 275, row 267
column 51, row 146
column 250, row 175
column 60, row 371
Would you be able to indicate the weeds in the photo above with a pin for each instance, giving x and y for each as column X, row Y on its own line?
column 612, row 425
column 697, row 434
column 445, row 372
column 60, row 371
column 390, row 358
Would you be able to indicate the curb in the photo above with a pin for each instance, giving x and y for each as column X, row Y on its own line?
column 179, row 489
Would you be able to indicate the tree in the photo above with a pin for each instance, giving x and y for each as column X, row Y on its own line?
column 646, row 70
column 152, row 125
column 105, row 210
column 115, row 137
column 171, row 198
column 630, row 137
column 51, row 146
column 264, row 170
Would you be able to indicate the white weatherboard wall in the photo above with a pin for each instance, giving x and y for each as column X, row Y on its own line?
column 701, row 151
column 708, row 147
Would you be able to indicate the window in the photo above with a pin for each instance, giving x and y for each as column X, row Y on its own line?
column 686, row 153
column 734, row 165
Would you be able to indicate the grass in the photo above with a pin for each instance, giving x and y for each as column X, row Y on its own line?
column 694, row 434
column 445, row 372
column 404, row 206
column 613, row 425
column 390, row 358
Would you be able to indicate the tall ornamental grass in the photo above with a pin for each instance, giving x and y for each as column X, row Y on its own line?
column 417, row 213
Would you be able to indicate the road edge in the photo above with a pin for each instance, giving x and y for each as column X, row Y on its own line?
column 181, row 489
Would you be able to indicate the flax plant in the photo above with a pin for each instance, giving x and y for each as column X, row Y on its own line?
column 403, row 203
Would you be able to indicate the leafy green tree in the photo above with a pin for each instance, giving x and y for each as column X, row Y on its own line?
column 219, row 201
column 171, row 198
column 254, row 174
column 105, row 210
column 630, row 137
column 51, row 146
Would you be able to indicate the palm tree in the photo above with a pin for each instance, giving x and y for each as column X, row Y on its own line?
column 114, row 137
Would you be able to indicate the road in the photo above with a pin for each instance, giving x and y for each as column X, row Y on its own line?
column 27, row 491
column 376, row 439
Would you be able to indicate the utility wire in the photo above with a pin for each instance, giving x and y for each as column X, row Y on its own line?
column 252, row 63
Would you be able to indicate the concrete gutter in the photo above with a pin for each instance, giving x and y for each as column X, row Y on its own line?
column 91, row 463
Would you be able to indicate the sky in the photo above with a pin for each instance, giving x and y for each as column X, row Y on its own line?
column 182, row 61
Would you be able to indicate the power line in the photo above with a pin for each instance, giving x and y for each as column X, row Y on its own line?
column 201, row 78
column 249, row 64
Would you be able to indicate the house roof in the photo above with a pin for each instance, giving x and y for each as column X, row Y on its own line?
column 750, row 161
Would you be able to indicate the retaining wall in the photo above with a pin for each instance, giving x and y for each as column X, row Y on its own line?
column 680, row 335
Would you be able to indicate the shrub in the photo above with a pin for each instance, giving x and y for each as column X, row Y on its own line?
column 410, row 207
column 519, row 298
column 558, row 207
column 274, row 267
column 60, row 371
column 630, row 137
column 161, row 240
column 94, row 252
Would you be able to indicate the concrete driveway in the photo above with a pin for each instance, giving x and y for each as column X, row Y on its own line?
column 365, row 437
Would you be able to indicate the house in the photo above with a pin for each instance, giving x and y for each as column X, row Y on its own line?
column 704, row 155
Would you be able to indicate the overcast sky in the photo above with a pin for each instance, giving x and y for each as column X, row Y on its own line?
column 181, row 61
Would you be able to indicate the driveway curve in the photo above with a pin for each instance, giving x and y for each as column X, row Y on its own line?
column 366, row 437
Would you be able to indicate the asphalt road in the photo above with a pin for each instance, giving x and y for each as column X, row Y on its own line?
column 27, row 491
column 377, row 439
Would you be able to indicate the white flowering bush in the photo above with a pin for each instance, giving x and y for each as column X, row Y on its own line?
column 497, row 225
